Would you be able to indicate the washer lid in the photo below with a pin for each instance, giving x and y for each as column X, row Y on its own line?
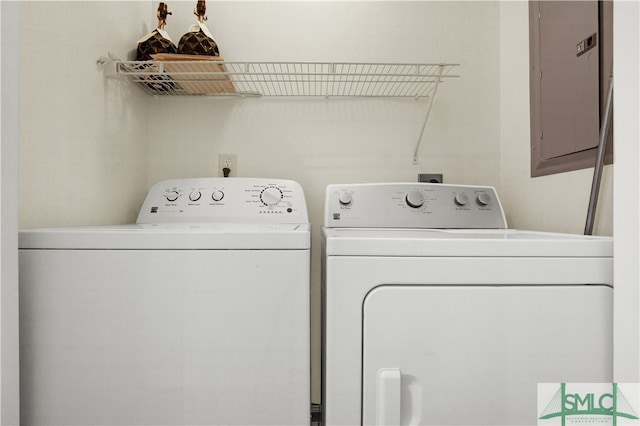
column 458, row 243
column 195, row 236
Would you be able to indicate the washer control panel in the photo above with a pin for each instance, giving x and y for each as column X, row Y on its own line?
column 243, row 200
column 413, row 205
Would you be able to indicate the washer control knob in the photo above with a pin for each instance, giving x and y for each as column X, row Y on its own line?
column 462, row 199
column 195, row 195
column 271, row 196
column 414, row 199
column 217, row 195
column 172, row 196
column 483, row 199
column 345, row 198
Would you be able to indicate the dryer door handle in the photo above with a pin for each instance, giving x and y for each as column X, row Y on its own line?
column 388, row 397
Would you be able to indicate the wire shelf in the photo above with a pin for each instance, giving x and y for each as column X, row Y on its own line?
column 211, row 77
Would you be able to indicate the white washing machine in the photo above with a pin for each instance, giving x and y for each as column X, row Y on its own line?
column 196, row 315
column 436, row 314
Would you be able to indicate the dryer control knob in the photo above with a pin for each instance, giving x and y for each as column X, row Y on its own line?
column 345, row 198
column 172, row 196
column 483, row 199
column 217, row 195
column 195, row 195
column 462, row 199
column 414, row 199
column 271, row 196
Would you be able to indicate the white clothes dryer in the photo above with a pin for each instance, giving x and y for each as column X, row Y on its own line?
column 436, row 314
column 198, row 314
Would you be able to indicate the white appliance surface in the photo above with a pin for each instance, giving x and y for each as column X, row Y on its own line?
column 429, row 325
column 180, row 319
column 456, row 242
column 212, row 236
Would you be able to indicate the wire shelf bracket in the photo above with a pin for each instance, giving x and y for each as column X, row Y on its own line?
column 426, row 118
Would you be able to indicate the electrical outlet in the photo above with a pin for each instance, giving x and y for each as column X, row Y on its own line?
column 430, row 177
column 229, row 161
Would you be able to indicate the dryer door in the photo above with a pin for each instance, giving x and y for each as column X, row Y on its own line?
column 475, row 354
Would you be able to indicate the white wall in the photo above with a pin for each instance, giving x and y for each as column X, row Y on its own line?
column 626, row 302
column 9, row 124
column 83, row 143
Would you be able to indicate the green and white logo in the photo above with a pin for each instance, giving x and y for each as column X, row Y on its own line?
column 588, row 403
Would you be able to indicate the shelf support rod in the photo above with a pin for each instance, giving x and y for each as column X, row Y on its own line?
column 426, row 118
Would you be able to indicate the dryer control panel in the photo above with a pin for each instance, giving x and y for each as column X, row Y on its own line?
column 413, row 205
column 239, row 200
